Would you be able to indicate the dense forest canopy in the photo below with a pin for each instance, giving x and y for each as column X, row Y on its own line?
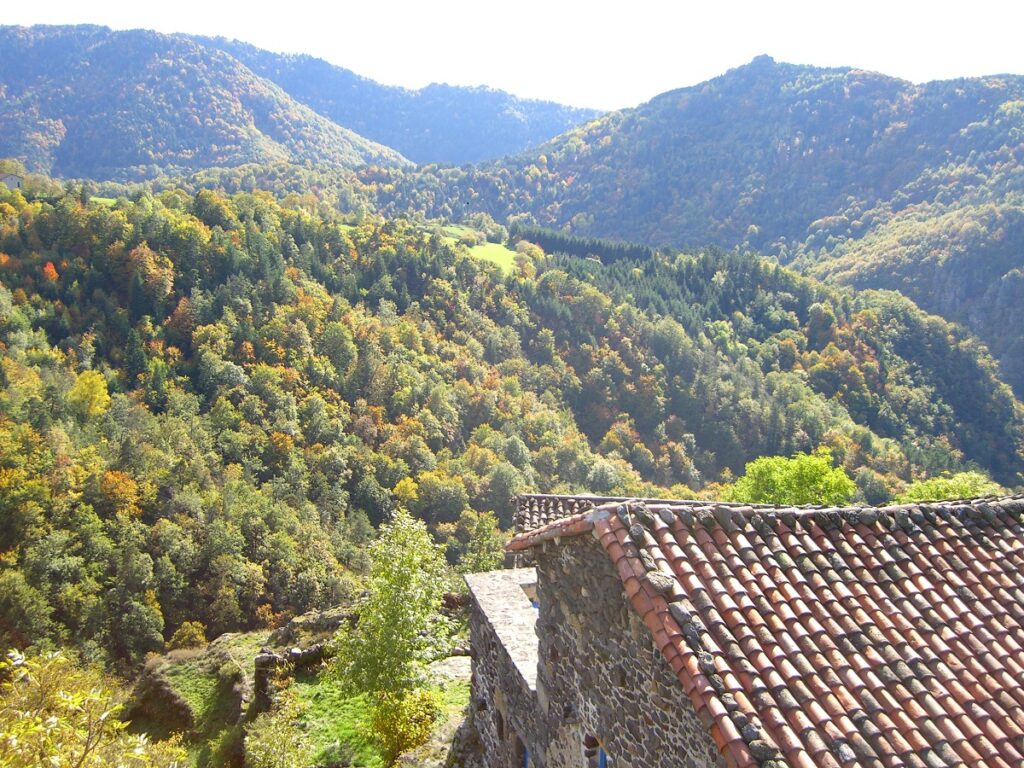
column 208, row 401
column 848, row 175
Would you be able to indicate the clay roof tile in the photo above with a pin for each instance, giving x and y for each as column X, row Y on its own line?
column 858, row 636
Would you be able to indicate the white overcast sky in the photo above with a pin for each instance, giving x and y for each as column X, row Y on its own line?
column 597, row 54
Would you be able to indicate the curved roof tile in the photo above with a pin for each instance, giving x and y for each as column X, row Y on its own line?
column 829, row 637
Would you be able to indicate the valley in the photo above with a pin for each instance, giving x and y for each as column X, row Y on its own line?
column 267, row 327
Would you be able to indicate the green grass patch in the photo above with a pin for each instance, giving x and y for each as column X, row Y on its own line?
column 455, row 698
column 107, row 201
column 208, row 693
column 214, row 709
column 455, row 231
column 495, row 253
column 219, row 750
column 338, row 726
column 198, row 685
column 242, row 648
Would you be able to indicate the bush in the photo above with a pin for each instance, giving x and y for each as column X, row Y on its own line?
column 399, row 628
column 57, row 713
column 962, row 485
column 803, row 479
column 403, row 721
column 191, row 634
column 275, row 740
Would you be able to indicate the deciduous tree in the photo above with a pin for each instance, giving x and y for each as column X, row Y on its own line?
column 53, row 712
column 803, row 479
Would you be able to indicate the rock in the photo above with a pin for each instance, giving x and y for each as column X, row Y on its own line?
column 762, row 750
column 680, row 613
column 648, row 561
column 643, row 514
column 706, row 662
column 749, row 733
column 310, row 626
column 828, row 519
column 661, row 583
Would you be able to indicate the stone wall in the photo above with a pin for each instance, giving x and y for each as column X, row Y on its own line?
column 601, row 681
column 503, row 703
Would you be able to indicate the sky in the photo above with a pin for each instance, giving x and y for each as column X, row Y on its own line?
column 601, row 55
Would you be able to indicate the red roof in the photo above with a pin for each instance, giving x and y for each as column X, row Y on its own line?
column 832, row 637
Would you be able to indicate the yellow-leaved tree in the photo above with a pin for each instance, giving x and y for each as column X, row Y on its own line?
column 54, row 712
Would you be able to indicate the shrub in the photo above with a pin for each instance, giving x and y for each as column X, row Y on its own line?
column 56, row 713
column 962, row 485
column 403, row 721
column 191, row 634
column 274, row 740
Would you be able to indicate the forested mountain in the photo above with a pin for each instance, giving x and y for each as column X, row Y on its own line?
column 851, row 175
column 749, row 158
column 206, row 401
column 436, row 124
column 959, row 253
column 85, row 101
column 271, row 335
column 88, row 102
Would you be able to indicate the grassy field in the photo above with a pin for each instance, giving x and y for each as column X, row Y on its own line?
column 242, row 648
column 496, row 253
column 335, row 725
column 338, row 726
column 205, row 681
column 209, row 696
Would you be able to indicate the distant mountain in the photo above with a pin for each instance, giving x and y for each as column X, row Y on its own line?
column 850, row 175
column 752, row 157
column 436, row 124
column 85, row 101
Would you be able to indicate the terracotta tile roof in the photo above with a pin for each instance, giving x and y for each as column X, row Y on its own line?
column 535, row 510
column 832, row 637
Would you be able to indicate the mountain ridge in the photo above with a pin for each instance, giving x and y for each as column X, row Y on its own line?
column 177, row 107
column 439, row 123
column 88, row 101
column 806, row 164
column 849, row 175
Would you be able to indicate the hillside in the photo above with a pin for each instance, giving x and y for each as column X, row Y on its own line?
column 752, row 157
column 85, row 101
column 436, row 124
column 207, row 402
column 88, row 102
column 852, row 176
column 959, row 253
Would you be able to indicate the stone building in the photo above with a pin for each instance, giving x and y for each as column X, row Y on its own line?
column 11, row 180
column 676, row 634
